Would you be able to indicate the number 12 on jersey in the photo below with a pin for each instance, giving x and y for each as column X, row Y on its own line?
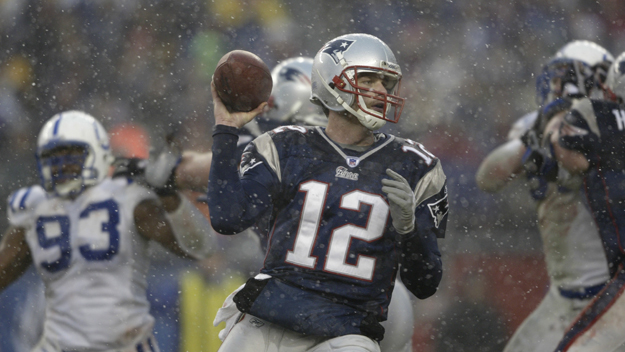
column 341, row 238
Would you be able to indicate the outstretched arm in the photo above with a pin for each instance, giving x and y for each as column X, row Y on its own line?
column 501, row 166
column 152, row 223
column 572, row 160
column 14, row 256
column 192, row 172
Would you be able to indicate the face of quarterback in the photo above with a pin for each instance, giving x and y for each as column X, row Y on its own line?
column 375, row 84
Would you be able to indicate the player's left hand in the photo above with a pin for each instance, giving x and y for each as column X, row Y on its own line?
column 402, row 201
column 234, row 119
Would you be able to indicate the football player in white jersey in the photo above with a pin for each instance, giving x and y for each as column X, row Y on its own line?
column 575, row 260
column 87, row 236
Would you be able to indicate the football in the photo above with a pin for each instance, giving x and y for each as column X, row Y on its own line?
column 242, row 80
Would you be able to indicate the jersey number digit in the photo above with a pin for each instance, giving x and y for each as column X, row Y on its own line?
column 55, row 231
column 338, row 250
column 60, row 239
column 620, row 118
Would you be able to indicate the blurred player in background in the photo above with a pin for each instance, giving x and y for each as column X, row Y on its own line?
column 576, row 263
column 590, row 143
column 87, row 235
column 348, row 207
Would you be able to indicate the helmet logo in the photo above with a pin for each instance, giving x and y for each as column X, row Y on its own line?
column 336, row 49
column 291, row 74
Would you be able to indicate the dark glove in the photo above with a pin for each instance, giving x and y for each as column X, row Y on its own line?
column 129, row 167
column 534, row 135
column 540, row 168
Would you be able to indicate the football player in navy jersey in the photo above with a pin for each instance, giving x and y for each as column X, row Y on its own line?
column 575, row 262
column 290, row 104
column 589, row 142
column 349, row 209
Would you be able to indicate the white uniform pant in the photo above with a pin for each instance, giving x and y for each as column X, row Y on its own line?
column 542, row 330
column 256, row 335
column 399, row 327
column 146, row 344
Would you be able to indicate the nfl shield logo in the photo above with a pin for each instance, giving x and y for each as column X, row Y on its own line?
column 353, row 161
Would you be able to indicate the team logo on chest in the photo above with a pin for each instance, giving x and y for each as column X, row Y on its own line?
column 342, row 172
column 352, row 161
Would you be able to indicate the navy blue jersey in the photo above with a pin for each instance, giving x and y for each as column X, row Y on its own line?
column 600, row 135
column 330, row 232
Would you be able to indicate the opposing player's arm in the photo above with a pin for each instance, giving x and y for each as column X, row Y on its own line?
column 152, row 223
column 192, row 172
column 15, row 256
column 573, row 161
column 572, row 139
column 500, row 166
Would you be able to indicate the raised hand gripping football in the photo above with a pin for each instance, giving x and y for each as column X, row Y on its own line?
column 234, row 119
column 402, row 201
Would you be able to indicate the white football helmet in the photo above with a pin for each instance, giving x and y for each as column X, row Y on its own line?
column 335, row 73
column 593, row 55
column 586, row 51
column 615, row 81
column 72, row 129
column 290, row 98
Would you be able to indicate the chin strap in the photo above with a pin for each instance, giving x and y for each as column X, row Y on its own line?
column 369, row 122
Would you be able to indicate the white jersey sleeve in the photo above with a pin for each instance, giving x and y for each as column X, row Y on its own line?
column 521, row 125
column 21, row 205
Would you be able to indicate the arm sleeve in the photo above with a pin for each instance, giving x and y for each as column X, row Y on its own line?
column 21, row 205
column 234, row 204
column 421, row 265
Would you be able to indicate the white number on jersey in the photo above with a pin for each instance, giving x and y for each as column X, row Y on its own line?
column 336, row 259
column 54, row 231
column 620, row 118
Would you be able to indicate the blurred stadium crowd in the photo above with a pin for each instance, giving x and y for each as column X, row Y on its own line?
column 144, row 68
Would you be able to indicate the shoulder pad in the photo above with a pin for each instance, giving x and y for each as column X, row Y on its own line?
column 430, row 184
column 290, row 128
column 521, row 125
column 264, row 146
column 408, row 145
column 21, row 203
